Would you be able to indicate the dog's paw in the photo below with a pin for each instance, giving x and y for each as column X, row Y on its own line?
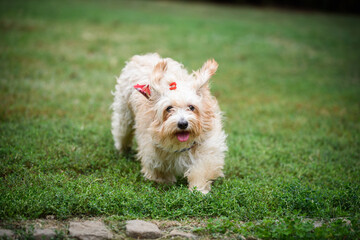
column 202, row 190
column 159, row 177
column 164, row 180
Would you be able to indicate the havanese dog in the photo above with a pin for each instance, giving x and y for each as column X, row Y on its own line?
column 176, row 121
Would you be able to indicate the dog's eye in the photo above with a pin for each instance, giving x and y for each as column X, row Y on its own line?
column 168, row 109
column 191, row 107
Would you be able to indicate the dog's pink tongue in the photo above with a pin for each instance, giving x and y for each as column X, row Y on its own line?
column 183, row 136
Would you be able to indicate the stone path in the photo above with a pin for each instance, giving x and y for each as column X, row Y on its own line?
column 89, row 230
column 95, row 230
column 178, row 233
column 6, row 233
column 45, row 234
column 142, row 229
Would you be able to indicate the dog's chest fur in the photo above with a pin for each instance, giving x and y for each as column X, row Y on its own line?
column 176, row 163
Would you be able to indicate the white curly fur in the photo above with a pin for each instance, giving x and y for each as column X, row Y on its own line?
column 163, row 156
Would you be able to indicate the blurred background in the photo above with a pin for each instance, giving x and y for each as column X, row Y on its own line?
column 348, row 6
column 288, row 83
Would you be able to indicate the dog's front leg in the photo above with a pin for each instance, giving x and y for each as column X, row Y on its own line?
column 205, row 169
column 153, row 167
column 157, row 175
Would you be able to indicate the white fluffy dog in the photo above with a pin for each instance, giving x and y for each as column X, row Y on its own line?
column 177, row 122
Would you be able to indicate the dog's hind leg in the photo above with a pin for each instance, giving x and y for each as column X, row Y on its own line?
column 122, row 125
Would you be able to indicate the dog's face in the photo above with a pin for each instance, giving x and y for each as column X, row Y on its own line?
column 182, row 104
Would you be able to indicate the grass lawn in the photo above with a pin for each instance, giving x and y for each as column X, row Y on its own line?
column 288, row 83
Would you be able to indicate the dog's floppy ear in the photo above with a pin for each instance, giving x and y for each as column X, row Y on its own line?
column 156, row 76
column 204, row 74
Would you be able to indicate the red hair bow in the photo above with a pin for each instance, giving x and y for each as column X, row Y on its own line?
column 143, row 89
column 172, row 86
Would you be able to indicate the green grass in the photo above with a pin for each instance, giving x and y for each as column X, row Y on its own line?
column 288, row 83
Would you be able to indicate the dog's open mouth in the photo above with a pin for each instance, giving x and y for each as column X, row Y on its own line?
column 183, row 136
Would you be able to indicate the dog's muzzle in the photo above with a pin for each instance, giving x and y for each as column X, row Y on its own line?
column 183, row 124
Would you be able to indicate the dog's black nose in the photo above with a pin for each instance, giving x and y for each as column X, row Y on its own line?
column 183, row 124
